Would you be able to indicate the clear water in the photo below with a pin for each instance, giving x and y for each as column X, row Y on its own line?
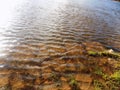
column 34, row 30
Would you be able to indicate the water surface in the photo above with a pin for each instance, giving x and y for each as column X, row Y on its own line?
column 32, row 31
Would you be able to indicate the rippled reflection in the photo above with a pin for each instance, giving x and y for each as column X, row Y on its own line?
column 53, row 23
column 7, row 14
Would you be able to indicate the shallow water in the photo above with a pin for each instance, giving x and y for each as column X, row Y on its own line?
column 32, row 31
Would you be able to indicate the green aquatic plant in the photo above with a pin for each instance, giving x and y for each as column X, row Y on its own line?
column 92, row 53
column 98, row 85
column 54, row 77
column 98, row 71
column 104, row 53
column 116, row 75
column 112, row 82
column 73, row 84
column 105, row 76
column 116, row 78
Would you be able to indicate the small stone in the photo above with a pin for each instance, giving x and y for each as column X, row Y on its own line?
column 110, row 51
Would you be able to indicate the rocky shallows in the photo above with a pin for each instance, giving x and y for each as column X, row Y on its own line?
column 86, row 66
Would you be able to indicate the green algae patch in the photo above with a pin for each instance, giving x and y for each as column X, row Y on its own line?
column 92, row 53
column 74, row 84
column 108, row 82
column 104, row 53
column 116, row 75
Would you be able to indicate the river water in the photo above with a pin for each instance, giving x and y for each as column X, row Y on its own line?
column 33, row 30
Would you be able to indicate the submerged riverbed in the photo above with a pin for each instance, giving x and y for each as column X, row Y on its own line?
column 45, row 42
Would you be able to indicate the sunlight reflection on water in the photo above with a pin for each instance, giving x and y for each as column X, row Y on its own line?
column 7, row 13
column 35, row 22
